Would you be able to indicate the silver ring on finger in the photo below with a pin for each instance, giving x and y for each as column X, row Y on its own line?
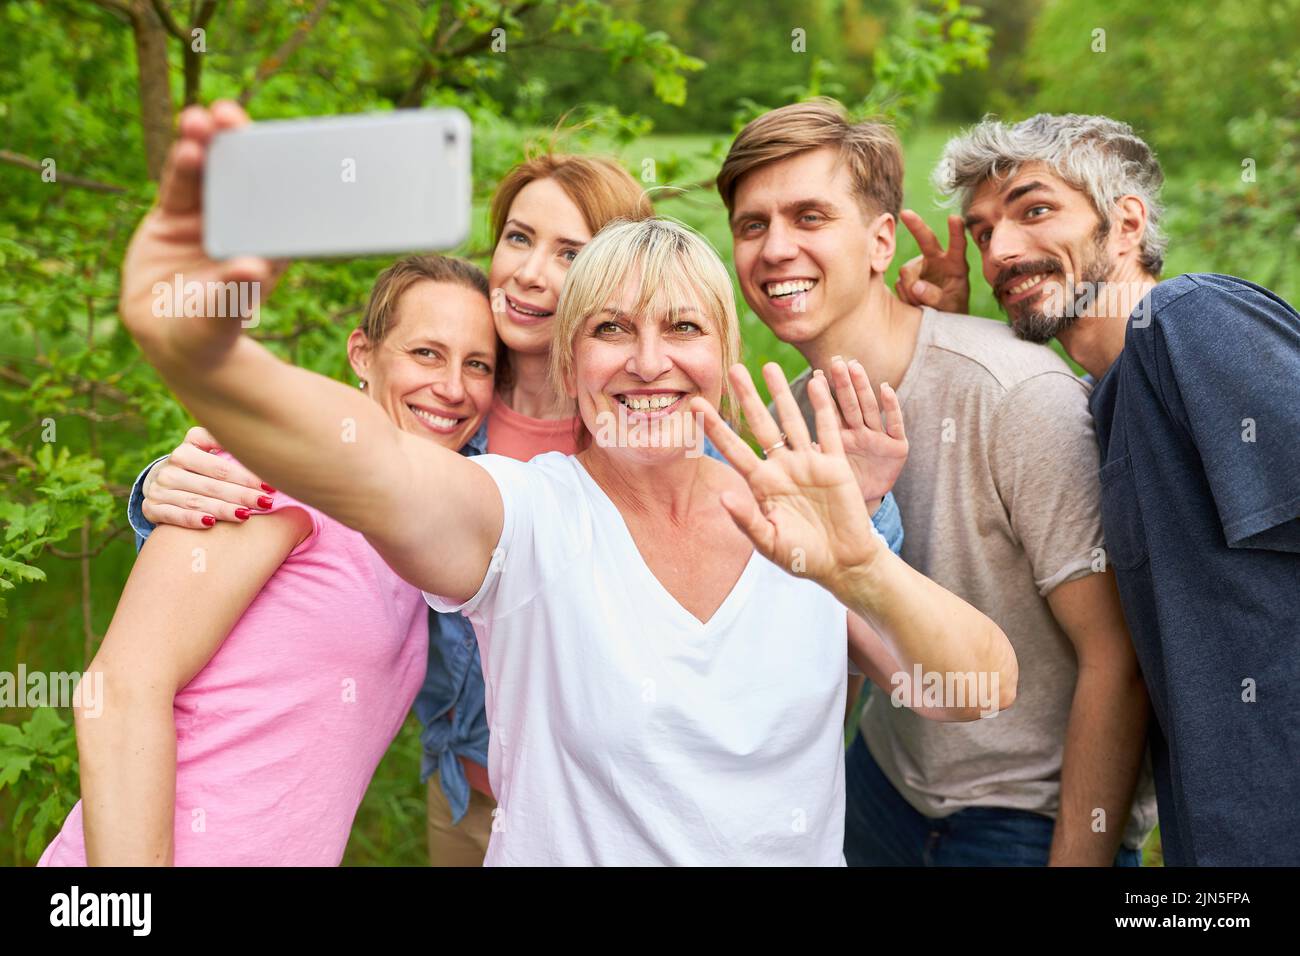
column 780, row 444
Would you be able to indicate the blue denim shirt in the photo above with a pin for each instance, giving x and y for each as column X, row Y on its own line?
column 450, row 704
column 453, row 683
column 141, row 525
column 889, row 522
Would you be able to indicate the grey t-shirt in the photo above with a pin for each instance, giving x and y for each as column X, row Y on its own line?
column 1000, row 504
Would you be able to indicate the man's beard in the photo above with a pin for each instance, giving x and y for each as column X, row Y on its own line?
column 1035, row 320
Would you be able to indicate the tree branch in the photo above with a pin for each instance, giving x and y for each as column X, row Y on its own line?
column 88, row 631
column 193, row 60
column 13, row 457
column 267, row 68
column 28, row 162
column 428, row 68
column 94, row 553
column 165, row 15
column 303, row 328
column 99, row 418
column 206, row 9
column 82, row 386
column 438, row 54
column 415, row 92
column 118, row 9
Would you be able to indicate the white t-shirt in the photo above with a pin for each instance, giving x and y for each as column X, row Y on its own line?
column 626, row 732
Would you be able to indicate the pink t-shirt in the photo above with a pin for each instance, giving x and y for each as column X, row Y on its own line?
column 278, row 736
column 522, row 438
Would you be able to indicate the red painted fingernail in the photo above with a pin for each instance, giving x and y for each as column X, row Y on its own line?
column 267, row 488
column 264, row 502
column 242, row 513
column 209, row 521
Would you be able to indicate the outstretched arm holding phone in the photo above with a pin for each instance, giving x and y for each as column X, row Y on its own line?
column 282, row 417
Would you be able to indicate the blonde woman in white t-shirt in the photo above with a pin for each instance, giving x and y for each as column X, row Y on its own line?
column 663, row 637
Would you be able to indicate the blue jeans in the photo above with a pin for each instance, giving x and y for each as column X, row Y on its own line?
column 882, row 829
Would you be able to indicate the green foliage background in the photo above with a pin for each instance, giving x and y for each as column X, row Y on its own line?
column 1215, row 87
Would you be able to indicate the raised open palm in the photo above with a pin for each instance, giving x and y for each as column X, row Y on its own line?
column 804, row 511
column 872, row 433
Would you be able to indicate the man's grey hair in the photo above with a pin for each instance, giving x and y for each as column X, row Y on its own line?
column 1096, row 154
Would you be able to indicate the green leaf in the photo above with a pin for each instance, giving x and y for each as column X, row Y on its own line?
column 13, row 766
column 44, row 730
column 26, row 803
column 48, row 814
column 19, row 571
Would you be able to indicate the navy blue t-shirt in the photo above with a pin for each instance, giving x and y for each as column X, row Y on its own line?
column 1199, row 426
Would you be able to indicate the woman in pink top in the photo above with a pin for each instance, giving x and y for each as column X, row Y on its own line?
column 254, row 677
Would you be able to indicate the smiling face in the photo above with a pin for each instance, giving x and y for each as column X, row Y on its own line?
column 639, row 363
column 433, row 372
column 1044, row 249
column 804, row 250
column 543, row 233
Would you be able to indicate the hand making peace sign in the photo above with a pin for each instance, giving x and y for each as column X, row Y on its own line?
column 936, row 278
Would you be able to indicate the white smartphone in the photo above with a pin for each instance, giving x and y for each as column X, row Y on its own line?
column 339, row 186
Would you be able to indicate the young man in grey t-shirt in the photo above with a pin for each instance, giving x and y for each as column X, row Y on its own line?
column 1000, row 505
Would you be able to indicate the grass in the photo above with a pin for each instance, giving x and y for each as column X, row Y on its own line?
column 389, row 829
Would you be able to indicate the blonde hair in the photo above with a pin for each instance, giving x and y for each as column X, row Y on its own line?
column 871, row 150
column 675, row 267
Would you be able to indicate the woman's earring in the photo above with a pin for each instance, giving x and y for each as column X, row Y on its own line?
column 362, row 385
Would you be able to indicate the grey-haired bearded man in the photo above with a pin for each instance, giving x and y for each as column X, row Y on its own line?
column 1197, row 409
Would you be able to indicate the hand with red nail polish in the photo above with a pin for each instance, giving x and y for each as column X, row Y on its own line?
column 198, row 479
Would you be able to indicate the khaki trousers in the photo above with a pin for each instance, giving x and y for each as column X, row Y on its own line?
column 462, row 844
